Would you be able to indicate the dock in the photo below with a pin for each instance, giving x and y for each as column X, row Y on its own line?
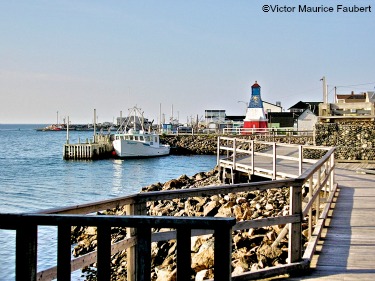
column 98, row 148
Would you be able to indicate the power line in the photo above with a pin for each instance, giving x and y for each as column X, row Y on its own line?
column 356, row 85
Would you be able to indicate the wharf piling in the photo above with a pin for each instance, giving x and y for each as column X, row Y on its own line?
column 99, row 147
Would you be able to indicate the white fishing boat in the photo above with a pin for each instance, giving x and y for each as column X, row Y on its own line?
column 136, row 141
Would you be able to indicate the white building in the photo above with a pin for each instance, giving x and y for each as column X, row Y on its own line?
column 270, row 107
column 306, row 121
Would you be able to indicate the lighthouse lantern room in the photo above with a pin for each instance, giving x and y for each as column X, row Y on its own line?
column 255, row 116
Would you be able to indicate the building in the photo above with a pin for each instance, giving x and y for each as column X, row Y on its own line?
column 281, row 119
column 270, row 107
column 306, row 121
column 349, row 105
column 301, row 106
column 214, row 115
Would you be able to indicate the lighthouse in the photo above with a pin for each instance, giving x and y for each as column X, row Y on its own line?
column 255, row 117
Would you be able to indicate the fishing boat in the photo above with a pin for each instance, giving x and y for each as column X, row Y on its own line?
column 133, row 141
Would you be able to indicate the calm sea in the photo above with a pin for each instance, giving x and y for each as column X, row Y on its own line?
column 34, row 176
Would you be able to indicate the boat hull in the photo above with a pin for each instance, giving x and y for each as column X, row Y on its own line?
column 133, row 149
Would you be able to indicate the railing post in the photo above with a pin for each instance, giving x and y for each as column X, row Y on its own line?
column 332, row 174
column 26, row 252
column 252, row 156
column 326, row 176
column 223, row 254
column 317, row 206
column 311, row 187
column 234, row 152
column 295, row 235
column 131, row 253
column 218, row 152
column 183, row 254
column 63, row 252
column 300, row 155
column 274, row 158
column 104, row 253
column 143, row 254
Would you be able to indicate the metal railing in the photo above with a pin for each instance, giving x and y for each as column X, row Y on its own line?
column 268, row 131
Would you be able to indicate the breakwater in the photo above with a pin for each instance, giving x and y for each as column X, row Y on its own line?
column 354, row 140
column 207, row 144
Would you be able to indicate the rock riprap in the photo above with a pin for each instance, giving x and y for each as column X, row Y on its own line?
column 252, row 248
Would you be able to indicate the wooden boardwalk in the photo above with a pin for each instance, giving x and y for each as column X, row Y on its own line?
column 347, row 248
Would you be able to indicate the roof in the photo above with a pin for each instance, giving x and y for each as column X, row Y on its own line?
column 312, row 105
column 255, row 85
column 235, row 117
column 352, row 96
column 272, row 103
column 281, row 114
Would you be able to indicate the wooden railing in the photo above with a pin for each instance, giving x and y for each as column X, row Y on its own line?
column 26, row 242
column 318, row 178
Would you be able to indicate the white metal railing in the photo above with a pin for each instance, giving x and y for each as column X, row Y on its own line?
column 247, row 156
column 269, row 131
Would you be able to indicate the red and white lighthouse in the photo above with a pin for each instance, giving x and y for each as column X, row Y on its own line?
column 255, row 116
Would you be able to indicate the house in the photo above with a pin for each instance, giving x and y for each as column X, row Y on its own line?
column 281, row 119
column 270, row 107
column 306, row 121
column 349, row 105
column 306, row 115
column 301, row 106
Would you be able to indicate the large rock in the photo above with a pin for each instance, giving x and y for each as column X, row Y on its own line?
column 204, row 259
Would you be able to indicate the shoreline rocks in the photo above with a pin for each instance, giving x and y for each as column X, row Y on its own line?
column 252, row 248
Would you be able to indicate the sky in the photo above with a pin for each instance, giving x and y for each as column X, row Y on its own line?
column 175, row 58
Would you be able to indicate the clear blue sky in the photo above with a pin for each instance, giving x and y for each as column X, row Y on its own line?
column 74, row 56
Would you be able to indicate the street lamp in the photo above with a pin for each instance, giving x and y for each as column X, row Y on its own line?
column 244, row 103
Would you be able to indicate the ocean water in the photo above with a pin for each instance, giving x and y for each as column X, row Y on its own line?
column 34, row 176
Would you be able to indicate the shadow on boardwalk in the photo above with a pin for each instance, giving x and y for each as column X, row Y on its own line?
column 347, row 248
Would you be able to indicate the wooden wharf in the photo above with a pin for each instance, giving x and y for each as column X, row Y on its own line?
column 340, row 234
column 97, row 148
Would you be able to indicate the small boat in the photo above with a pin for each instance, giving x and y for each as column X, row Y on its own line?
column 136, row 142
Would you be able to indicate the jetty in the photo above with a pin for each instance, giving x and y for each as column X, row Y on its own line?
column 336, row 205
column 99, row 147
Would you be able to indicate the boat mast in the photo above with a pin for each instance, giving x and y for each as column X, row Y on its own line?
column 135, row 114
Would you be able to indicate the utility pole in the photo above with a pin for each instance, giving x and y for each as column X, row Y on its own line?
column 325, row 95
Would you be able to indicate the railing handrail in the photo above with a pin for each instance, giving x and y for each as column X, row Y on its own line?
column 26, row 241
column 270, row 131
column 12, row 221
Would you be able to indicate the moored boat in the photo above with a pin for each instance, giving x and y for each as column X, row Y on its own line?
column 136, row 142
